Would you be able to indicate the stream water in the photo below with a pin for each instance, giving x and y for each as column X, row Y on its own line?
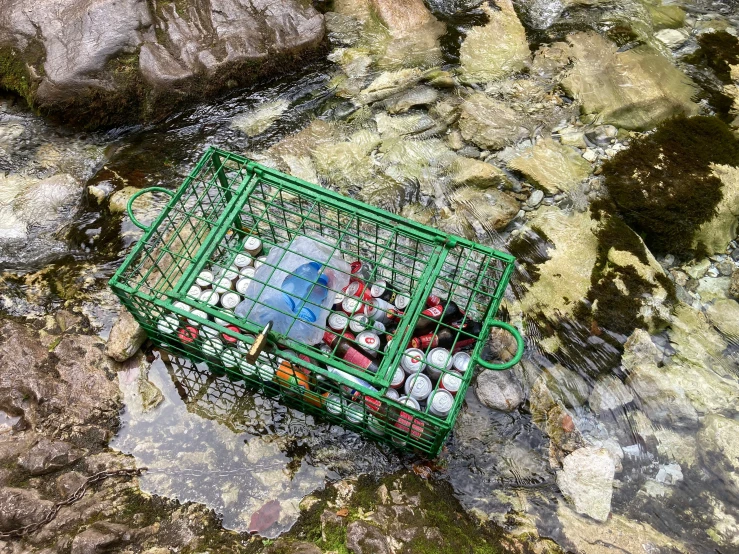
column 205, row 439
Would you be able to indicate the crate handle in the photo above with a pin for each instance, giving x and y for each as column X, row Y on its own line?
column 129, row 206
column 519, row 348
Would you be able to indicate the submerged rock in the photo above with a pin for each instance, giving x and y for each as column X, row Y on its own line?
column 499, row 390
column 609, row 394
column 491, row 124
column 497, row 49
column 660, row 398
column 126, row 337
column 586, row 480
column 715, row 234
column 260, row 118
column 491, row 209
column 718, row 442
column 635, row 89
column 552, row 166
column 724, row 314
column 388, row 84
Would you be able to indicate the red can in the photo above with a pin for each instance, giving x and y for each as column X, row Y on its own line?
column 361, row 271
column 228, row 339
column 187, row 334
column 433, row 300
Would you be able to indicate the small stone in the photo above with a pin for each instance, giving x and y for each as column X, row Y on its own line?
column 590, row 155
column 726, row 268
column 363, row 538
column 499, row 390
column 535, row 199
column 586, row 480
column 734, row 285
column 126, row 337
column 698, row 270
column 724, row 314
column 669, row 474
column 735, row 254
column 609, row 394
column 672, row 38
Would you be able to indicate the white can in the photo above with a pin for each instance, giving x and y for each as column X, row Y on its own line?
column 441, row 403
column 230, row 300
column 230, row 359
column 412, row 361
column 265, row 370
column 210, row 297
column 205, row 279
column 253, row 246
column 354, row 413
column 212, row 347
column 243, row 260
column 409, row 401
column 398, row 378
column 243, row 284
column 351, row 305
column 377, row 309
column 337, row 321
column 182, row 306
column 334, row 404
column 358, row 323
column 369, row 342
column 242, row 346
column 210, row 333
column 375, row 425
column 392, row 394
column 418, row 386
column 199, row 313
column 246, row 368
column 248, row 272
column 451, row 382
column 402, row 301
column 461, row 361
column 168, row 324
column 222, row 285
column 194, row 292
column 439, row 360
column 259, row 262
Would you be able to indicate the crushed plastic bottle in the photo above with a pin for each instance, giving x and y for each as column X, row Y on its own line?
column 307, row 282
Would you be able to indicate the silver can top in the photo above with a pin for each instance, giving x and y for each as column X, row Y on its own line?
column 243, row 284
column 334, row 404
column 243, row 260
column 418, row 386
column 230, row 300
column 338, row 322
column 231, row 273
column 204, row 279
column 210, row 297
column 451, row 382
column 182, row 306
column 398, row 378
column 378, row 288
column 412, row 360
column 168, row 324
column 354, row 413
column 409, row 401
column 230, row 359
column 392, row 394
column 194, row 292
column 259, row 262
column 350, row 305
column 253, row 246
column 199, row 313
column 461, row 360
column 369, row 341
column 440, row 358
column 223, row 284
column 402, row 301
column 358, row 323
column 441, row 402
column 248, row 271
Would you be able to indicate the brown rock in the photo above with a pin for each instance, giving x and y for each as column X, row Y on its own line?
column 19, row 507
column 49, row 455
column 401, row 16
column 126, row 337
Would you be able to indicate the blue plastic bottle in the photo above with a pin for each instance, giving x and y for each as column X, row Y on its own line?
column 296, row 289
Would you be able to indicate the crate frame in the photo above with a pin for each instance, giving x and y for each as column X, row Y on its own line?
column 210, row 206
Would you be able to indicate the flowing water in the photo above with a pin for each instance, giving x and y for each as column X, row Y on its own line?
column 205, row 439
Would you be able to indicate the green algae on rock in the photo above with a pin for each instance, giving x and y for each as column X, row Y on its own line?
column 552, row 166
column 668, row 201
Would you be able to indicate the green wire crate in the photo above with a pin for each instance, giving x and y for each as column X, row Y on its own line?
column 228, row 199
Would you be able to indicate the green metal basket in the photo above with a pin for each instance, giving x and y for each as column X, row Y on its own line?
column 226, row 200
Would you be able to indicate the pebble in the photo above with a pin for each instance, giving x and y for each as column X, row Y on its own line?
column 535, row 199
column 590, row 155
column 712, row 272
column 735, row 255
column 726, row 268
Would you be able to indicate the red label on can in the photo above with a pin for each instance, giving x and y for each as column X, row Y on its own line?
column 329, row 337
column 433, row 300
column 434, row 312
column 356, row 266
column 187, row 334
column 354, row 356
column 373, row 404
column 428, row 340
column 463, row 344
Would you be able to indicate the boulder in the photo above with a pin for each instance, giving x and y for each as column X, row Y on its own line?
column 724, row 315
column 499, row 390
column 364, row 538
column 476, row 173
column 491, row 124
column 718, row 442
column 120, row 58
column 402, row 16
column 663, row 401
column 126, row 337
column 552, row 166
column 586, row 480
column 497, row 49
column 716, row 233
column 419, row 96
column 100, row 537
column 47, row 456
column 20, row 507
column 389, row 83
column 635, row 89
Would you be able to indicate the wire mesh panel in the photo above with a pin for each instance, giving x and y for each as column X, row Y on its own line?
column 377, row 324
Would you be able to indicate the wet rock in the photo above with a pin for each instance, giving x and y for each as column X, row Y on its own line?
column 402, row 125
column 499, row 390
column 718, row 442
column 726, row 267
column 660, row 398
column 388, row 84
column 635, row 89
column 669, row 474
column 552, row 166
column 557, row 384
column 476, row 173
column 363, row 538
column 126, row 337
column 401, row 17
column 609, row 394
column 119, row 200
column 261, row 118
column 586, row 480
column 489, row 123
column 672, row 38
column 110, row 56
column 47, row 456
column 419, row 96
column 715, row 235
column 639, row 349
column 497, row 49
column 724, row 315
column 572, row 136
column 100, row 537
column 602, row 135
column 535, row 199
column 698, row 269
column 491, row 209
column 20, row 507
column 734, row 285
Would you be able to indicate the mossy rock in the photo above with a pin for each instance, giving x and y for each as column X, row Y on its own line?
column 667, row 17
column 719, row 51
column 663, row 185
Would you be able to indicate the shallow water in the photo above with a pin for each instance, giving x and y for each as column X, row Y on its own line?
column 206, row 439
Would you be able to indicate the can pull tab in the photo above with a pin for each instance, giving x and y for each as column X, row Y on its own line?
column 259, row 343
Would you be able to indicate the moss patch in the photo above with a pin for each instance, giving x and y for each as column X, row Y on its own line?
column 14, row 74
column 663, row 186
column 718, row 51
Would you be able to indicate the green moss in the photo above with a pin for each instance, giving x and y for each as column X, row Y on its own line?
column 662, row 184
column 718, row 51
column 14, row 74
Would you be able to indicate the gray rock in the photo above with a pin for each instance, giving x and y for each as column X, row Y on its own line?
column 488, row 209
column 126, row 337
column 639, row 350
column 100, row 537
column 419, row 96
column 609, row 394
column 726, row 268
column 669, row 474
column 672, row 38
column 499, row 390
column 47, row 456
column 602, row 135
column 552, row 166
column 19, row 507
column 586, row 480
column 389, row 83
column 660, row 398
column 724, row 315
column 535, row 199
column 718, row 444
column 69, row 482
column 363, row 538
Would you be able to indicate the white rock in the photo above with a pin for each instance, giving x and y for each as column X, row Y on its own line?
column 669, row 474
column 586, row 480
column 672, row 38
column 590, row 155
column 535, row 199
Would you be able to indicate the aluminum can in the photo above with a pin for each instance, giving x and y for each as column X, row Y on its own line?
column 230, row 300
column 199, row 313
column 205, row 279
column 461, row 361
column 377, row 310
column 439, row 360
column 402, row 301
column 351, row 305
column 248, row 272
column 441, row 403
column 358, row 290
column 182, row 306
column 247, row 368
column 253, row 246
column 187, row 334
column 412, row 361
column 392, row 394
column 265, row 368
column 375, row 425
column 243, row 260
column 358, row 323
column 338, row 299
column 334, row 404
column 223, row 284
column 243, row 284
column 354, row 413
column 212, row 347
column 209, row 333
column 243, row 346
column 231, row 273
column 259, row 262
column 337, row 321
column 210, row 297
column 228, row 339
column 398, row 378
column 230, row 359
column 406, row 423
column 433, row 300
column 418, row 386
column 194, row 292
column 168, row 324
column 451, row 382
column 369, row 342
column 221, row 322
column 379, row 327
column 360, row 271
